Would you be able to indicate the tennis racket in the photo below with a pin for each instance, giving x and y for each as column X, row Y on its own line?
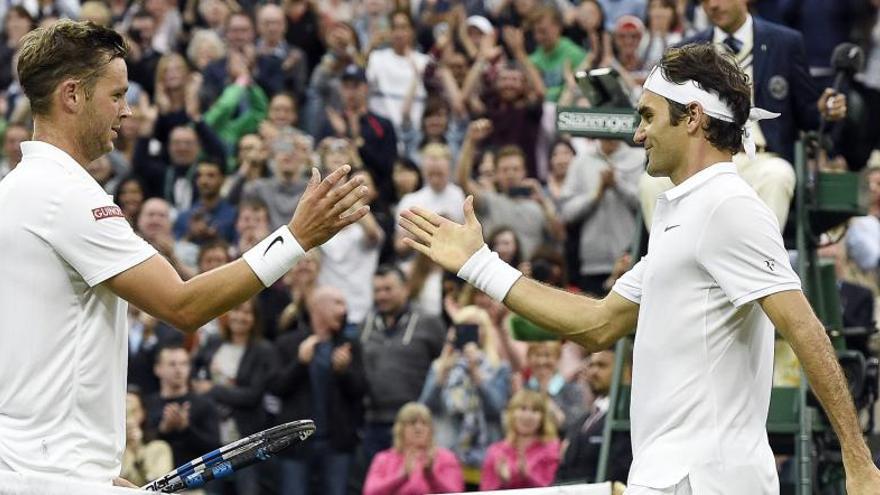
column 232, row 457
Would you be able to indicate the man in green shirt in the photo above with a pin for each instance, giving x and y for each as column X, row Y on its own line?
column 552, row 52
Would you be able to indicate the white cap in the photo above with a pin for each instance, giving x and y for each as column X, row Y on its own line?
column 481, row 23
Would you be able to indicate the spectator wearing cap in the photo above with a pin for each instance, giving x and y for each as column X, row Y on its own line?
column 629, row 33
column 478, row 26
column 391, row 71
column 615, row 9
column 211, row 215
column 554, row 51
column 373, row 135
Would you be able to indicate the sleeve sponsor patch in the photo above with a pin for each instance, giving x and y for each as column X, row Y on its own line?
column 107, row 212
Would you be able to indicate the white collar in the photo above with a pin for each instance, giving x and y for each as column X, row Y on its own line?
column 699, row 179
column 743, row 34
column 46, row 150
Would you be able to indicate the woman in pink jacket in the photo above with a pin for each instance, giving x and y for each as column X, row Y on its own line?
column 529, row 454
column 414, row 465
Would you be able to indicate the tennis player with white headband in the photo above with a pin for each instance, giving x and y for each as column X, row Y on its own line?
column 706, row 298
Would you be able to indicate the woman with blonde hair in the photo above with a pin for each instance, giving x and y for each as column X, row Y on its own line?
column 529, row 454
column 414, row 465
column 468, row 386
column 176, row 94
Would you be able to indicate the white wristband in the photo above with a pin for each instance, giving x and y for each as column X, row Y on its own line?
column 272, row 257
column 488, row 273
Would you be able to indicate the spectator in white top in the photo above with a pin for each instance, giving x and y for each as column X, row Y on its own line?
column 706, row 297
column 71, row 261
column 600, row 199
column 350, row 258
column 439, row 193
column 391, row 71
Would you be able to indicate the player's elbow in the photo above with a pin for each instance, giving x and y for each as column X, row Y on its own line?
column 184, row 318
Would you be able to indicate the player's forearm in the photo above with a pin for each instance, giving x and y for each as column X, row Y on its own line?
column 209, row 295
column 572, row 316
column 817, row 356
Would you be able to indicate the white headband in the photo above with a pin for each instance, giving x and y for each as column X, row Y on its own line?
column 690, row 92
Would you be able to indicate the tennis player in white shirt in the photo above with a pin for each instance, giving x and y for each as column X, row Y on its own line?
column 706, row 297
column 69, row 261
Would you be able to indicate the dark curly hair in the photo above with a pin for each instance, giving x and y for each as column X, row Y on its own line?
column 713, row 71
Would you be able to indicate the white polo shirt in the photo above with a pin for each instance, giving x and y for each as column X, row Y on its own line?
column 703, row 355
column 63, row 336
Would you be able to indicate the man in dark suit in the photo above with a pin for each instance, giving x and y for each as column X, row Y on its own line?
column 774, row 58
column 580, row 451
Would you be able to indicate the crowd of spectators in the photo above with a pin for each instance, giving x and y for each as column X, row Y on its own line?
column 417, row 383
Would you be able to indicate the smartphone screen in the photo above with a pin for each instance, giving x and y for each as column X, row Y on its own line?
column 519, row 192
column 466, row 332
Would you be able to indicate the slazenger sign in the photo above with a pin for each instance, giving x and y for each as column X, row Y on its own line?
column 598, row 123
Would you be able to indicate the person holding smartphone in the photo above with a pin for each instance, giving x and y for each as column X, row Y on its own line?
column 467, row 387
column 520, row 201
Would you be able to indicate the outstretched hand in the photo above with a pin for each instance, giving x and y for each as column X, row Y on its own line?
column 447, row 243
column 321, row 211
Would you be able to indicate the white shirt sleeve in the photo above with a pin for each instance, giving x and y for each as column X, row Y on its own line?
column 629, row 285
column 741, row 248
column 91, row 234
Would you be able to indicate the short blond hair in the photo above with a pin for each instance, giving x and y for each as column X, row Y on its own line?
column 439, row 150
column 410, row 412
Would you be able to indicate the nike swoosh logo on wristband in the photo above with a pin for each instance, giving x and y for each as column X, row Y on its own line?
column 278, row 239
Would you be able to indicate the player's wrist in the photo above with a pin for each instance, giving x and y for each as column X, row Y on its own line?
column 274, row 256
column 489, row 273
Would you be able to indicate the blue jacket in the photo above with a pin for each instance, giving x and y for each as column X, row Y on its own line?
column 782, row 84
